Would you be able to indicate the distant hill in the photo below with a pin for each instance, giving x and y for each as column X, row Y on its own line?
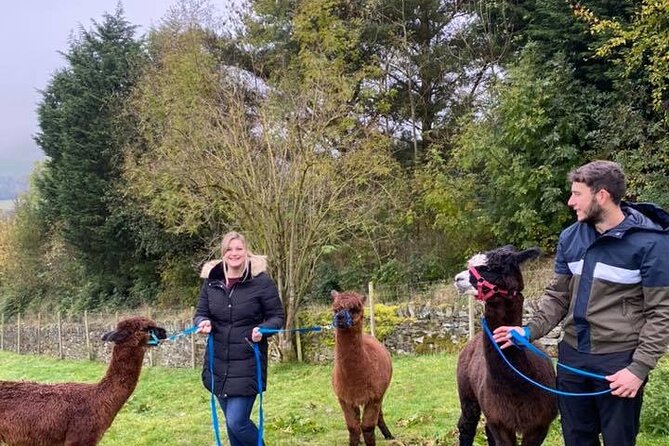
column 11, row 187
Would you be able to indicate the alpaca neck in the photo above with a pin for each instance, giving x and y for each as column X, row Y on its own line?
column 348, row 344
column 498, row 315
column 495, row 318
column 121, row 377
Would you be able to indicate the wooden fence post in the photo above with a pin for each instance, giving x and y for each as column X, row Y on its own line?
column 298, row 341
column 88, row 337
column 39, row 332
column 18, row 333
column 470, row 313
column 192, row 342
column 148, row 314
column 372, row 325
column 60, row 337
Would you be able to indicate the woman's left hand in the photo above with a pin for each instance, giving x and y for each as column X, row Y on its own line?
column 256, row 336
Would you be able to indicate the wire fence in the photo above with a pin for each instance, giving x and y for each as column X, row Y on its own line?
column 79, row 336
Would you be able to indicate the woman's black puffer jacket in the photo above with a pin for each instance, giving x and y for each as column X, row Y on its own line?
column 252, row 302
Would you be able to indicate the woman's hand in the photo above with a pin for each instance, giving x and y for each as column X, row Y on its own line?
column 256, row 336
column 204, row 327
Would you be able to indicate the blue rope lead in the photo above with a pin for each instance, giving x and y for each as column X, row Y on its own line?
column 214, row 415
column 153, row 339
column 186, row 332
column 256, row 353
column 315, row 328
column 484, row 324
column 519, row 339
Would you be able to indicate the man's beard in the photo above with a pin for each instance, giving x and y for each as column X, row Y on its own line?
column 594, row 214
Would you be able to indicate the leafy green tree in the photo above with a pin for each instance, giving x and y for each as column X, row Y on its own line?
column 290, row 164
column 516, row 155
column 37, row 270
column 82, row 132
column 554, row 29
column 641, row 45
column 634, row 128
column 21, row 248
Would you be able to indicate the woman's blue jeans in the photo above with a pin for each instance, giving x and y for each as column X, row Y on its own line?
column 237, row 410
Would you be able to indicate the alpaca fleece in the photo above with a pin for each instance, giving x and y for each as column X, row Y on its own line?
column 362, row 370
column 76, row 414
column 485, row 383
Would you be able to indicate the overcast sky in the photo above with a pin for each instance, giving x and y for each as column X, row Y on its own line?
column 32, row 32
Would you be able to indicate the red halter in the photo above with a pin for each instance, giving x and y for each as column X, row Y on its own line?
column 485, row 289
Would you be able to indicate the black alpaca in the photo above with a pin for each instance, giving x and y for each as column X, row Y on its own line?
column 485, row 382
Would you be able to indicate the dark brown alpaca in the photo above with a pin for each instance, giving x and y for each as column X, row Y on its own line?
column 487, row 384
column 75, row 414
column 362, row 370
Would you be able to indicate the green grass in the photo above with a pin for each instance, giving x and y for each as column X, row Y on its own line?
column 170, row 407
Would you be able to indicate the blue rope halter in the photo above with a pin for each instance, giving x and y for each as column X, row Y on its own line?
column 487, row 331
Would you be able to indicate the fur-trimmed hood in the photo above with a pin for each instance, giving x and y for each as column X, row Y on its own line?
column 214, row 268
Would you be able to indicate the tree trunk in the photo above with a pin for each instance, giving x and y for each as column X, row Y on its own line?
column 287, row 348
column 286, row 344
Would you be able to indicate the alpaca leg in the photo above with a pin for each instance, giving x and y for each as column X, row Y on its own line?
column 352, row 418
column 469, row 418
column 370, row 418
column 382, row 426
column 85, row 440
column 501, row 435
column 534, row 437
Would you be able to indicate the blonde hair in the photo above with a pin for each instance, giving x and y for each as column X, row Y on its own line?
column 225, row 244
column 256, row 263
column 229, row 237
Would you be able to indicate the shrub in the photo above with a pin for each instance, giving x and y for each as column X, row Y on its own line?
column 386, row 320
column 656, row 402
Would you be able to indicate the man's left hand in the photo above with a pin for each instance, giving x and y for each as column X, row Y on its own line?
column 624, row 384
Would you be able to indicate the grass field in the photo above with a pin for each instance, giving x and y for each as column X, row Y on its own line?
column 170, row 407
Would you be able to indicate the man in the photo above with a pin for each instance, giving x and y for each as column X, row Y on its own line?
column 611, row 287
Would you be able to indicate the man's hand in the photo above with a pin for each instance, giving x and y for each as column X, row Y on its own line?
column 256, row 336
column 503, row 334
column 204, row 327
column 624, row 384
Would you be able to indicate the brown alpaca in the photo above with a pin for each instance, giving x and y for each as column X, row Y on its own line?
column 75, row 414
column 487, row 384
column 362, row 370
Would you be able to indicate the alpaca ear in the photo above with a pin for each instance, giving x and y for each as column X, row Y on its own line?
column 531, row 253
column 116, row 336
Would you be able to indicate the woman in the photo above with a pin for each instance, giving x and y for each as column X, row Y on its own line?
column 236, row 300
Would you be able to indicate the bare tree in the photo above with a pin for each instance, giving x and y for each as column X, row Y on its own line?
column 295, row 168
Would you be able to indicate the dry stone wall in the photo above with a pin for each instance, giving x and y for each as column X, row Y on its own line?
column 424, row 328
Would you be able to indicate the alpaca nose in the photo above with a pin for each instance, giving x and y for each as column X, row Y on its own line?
column 342, row 319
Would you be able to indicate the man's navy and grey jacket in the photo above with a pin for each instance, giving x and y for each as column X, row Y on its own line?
column 252, row 302
column 613, row 288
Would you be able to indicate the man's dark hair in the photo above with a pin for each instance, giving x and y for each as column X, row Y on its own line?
column 598, row 175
